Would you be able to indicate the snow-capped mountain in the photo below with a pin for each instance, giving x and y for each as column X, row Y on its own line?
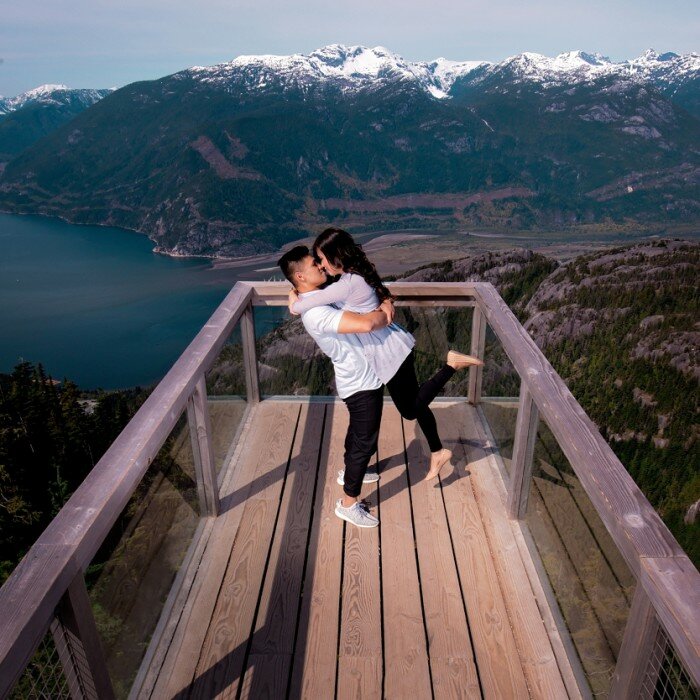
column 360, row 67
column 34, row 114
column 575, row 67
column 52, row 95
column 240, row 157
column 345, row 67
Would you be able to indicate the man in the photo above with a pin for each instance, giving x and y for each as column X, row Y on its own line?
column 357, row 384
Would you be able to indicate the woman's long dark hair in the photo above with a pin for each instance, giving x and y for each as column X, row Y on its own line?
column 342, row 251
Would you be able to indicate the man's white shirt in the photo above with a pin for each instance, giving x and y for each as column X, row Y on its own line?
column 352, row 370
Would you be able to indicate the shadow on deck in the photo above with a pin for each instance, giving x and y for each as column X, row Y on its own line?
column 287, row 600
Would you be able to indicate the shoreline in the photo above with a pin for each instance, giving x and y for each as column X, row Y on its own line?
column 377, row 242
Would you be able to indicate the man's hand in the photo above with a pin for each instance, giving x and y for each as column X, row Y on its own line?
column 293, row 297
column 387, row 306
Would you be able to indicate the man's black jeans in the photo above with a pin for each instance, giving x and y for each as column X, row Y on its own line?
column 365, row 409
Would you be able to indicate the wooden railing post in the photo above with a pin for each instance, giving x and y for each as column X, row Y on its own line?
column 200, row 434
column 523, row 451
column 636, row 650
column 477, row 349
column 250, row 360
column 79, row 646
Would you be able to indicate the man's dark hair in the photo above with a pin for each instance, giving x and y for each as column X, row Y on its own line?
column 289, row 262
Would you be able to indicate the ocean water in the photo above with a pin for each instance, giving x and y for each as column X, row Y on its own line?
column 97, row 306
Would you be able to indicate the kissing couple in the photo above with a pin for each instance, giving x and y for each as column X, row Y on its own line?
column 351, row 321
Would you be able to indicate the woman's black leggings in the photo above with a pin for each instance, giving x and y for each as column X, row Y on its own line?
column 413, row 401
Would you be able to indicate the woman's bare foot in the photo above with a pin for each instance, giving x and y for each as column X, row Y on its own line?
column 437, row 461
column 457, row 360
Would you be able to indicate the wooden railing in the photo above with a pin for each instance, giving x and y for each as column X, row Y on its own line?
column 47, row 590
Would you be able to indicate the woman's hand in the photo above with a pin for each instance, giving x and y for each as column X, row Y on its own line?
column 387, row 306
column 293, row 297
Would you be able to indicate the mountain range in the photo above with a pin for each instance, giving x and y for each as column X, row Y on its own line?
column 240, row 157
column 26, row 118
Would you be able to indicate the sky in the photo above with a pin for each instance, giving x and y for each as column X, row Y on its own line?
column 109, row 43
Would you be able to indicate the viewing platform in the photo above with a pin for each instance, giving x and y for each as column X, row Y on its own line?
column 202, row 558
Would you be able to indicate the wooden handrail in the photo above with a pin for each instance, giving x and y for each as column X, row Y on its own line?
column 634, row 526
column 406, row 293
column 74, row 536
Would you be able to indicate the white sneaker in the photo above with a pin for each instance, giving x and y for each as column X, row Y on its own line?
column 357, row 514
column 370, row 477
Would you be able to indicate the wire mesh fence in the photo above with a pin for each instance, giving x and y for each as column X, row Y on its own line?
column 665, row 677
column 44, row 678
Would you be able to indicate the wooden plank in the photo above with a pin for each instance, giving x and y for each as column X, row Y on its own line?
column 452, row 302
column 478, row 348
column 360, row 649
column 539, row 663
column 673, row 588
column 636, row 528
column 361, row 678
column 413, row 301
column 445, row 618
column 523, row 450
column 497, row 656
column 220, row 665
column 637, row 646
column 180, row 667
column 202, row 452
column 267, row 674
column 407, row 669
column 315, row 658
column 436, row 293
column 250, row 360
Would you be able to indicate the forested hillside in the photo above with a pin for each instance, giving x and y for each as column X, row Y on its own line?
column 622, row 328
column 51, row 436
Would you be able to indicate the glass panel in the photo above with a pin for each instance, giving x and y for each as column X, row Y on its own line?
column 132, row 574
column 226, row 398
column 289, row 361
column 590, row 579
column 499, row 391
column 437, row 330
column 44, row 676
column 500, row 377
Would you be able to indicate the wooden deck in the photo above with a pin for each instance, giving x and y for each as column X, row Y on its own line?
column 286, row 600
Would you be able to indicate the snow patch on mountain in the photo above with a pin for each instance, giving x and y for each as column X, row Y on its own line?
column 348, row 67
column 352, row 68
column 575, row 67
column 52, row 94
